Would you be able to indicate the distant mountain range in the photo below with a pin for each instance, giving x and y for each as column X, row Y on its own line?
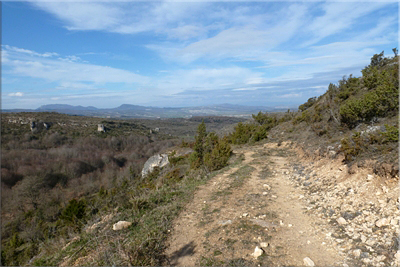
column 135, row 111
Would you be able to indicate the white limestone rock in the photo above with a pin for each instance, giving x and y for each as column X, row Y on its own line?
column 257, row 252
column 308, row 262
column 341, row 221
column 121, row 225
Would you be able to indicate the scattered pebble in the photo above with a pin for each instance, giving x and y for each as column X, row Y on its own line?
column 257, row 252
column 308, row 262
column 341, row 221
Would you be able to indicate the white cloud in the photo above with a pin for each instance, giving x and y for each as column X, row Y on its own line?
column 338, row 17
column 206, row 79
column 292, row 95
column 71, row 59
column 128, row 17
column 26, row 52
column 18, row 94
column 66, row 70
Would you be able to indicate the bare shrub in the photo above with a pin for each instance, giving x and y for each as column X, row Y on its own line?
column 28, row 190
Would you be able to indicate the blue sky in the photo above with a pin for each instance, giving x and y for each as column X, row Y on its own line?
column 175, row 54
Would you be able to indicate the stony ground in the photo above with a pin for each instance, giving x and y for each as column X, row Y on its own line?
column 296, row 211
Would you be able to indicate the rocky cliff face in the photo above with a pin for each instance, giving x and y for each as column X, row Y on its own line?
column 159, row 160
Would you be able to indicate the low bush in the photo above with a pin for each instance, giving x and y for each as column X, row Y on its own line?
column 391, row 134
column 311, row 101
column 75, row 213
column 175, row 160
column 303, row 117
column 210, row 151
column 378, row 103
column 219, row 156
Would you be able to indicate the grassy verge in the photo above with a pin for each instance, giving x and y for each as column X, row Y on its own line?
column 150, row 208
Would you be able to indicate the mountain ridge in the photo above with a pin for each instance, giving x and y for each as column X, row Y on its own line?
column 138, row 111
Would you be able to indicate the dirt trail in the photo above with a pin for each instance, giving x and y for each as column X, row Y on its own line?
column 252, row 204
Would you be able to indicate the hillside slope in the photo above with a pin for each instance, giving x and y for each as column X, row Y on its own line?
column 356, row 120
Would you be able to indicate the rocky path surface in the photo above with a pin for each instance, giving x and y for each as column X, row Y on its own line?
column 266, row 202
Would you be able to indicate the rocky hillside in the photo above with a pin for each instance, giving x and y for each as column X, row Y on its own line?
column 356, row 120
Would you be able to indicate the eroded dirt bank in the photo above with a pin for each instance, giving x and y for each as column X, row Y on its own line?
column 290, row 208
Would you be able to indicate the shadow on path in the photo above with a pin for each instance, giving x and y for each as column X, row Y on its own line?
column 186, row 250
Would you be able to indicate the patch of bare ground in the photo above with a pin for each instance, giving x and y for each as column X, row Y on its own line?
column 254, row 204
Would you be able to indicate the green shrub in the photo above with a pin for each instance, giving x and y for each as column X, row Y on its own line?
column 350, row 147
column 348, row 87
column 377, row 103
column 305, row 116
column 173, row 176
column 260, row 133
column 242, row 133
column 219, row 156
column 210, row 150
column 265, row 119
column 391, row 134
column 175, row 160
column 311, row 101
column 74, row 213
column 196, row 158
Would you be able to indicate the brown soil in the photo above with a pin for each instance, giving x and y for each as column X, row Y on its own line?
column 227, row 219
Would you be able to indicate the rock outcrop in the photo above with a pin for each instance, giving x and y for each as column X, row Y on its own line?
column 159, row 160
column 100, row 128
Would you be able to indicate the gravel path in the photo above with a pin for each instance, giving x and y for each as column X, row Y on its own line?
column 255, row 204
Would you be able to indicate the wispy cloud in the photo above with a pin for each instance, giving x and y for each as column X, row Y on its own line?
column 18, row 94
column 67, row 69
column 11, row 49
column 128, row 17
column 338, row 17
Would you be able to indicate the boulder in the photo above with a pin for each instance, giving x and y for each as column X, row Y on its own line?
column 121, row 225
column 159, row 161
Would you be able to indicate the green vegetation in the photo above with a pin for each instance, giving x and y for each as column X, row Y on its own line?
column 58, row 183
column 357, row 100
column 258, row 130
column 352, row 106
column 311, row 101
column 209, row 150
